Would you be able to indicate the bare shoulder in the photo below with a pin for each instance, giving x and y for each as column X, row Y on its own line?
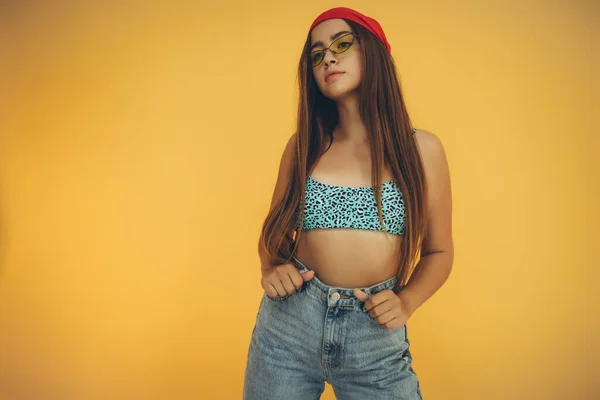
column 428, row 142
column 435, row 162
column 432, row 151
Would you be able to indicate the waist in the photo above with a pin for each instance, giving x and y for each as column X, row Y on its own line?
column 350, row 258
column 342, row 296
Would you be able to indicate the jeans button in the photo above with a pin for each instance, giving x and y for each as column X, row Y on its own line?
column 335, row 296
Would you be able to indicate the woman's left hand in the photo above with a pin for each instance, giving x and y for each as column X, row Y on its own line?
column 386, row 307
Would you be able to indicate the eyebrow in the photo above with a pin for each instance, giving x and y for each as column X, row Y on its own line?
column 333, row 37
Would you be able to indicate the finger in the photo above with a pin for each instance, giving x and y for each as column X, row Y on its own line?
column 392, row 323
column 360, row 295
column 385, row 316
column 380, row 309
column 307, row 275
column 279, row 287
column 373, row 302
column 272, row 290
column 376, row 299
column 296, row 278
column 288, row 284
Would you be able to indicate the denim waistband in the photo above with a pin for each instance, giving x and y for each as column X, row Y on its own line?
column 347, row 297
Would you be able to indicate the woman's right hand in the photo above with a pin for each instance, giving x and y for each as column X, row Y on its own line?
column 284, row 279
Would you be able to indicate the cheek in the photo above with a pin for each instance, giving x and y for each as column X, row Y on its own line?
column 357, row 66
column 355, row 70
column 318, row 76
column 315, row 74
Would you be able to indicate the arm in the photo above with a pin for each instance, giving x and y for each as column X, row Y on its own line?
column 437, row 252
column 285, row 170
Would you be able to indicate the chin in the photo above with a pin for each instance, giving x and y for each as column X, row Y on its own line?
column 339, row 94
column 340, row 90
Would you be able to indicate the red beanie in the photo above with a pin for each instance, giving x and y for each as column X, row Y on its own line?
column 354, row 16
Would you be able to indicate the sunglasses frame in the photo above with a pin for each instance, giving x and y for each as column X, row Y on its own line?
column 324, row 51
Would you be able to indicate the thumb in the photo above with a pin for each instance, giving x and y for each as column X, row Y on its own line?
column 362, row 296
column 307, row 276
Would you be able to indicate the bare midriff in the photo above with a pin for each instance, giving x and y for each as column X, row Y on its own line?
column 350, row 258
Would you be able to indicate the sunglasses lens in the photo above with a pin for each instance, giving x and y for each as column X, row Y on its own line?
column 338, row 46
column 342, row 44
column 316, row 57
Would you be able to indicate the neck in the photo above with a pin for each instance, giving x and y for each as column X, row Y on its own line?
column 351, row 127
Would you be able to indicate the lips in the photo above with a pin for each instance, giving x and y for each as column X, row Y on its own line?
column 333, row 75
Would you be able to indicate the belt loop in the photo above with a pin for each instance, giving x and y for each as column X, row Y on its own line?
column 299, row 265
column 303, row 268
column 368, row 292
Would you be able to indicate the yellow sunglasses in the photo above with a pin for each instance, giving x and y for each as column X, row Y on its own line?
column 338, row 46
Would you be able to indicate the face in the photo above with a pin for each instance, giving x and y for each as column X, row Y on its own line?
column 337, row 75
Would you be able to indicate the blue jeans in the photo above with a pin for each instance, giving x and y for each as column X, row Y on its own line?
column 323, row 333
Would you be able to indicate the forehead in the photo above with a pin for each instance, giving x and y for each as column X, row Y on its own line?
column 323, row 31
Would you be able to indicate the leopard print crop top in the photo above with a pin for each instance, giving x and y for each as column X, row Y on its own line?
column 329, row 206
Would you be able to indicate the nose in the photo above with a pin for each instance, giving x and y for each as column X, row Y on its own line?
column 329, row 57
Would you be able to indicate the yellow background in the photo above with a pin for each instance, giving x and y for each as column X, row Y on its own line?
column 139, row 146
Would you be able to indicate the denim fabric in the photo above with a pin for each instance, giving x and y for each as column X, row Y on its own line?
column 323, row 333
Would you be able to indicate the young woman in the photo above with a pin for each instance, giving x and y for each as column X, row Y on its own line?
column 361, row 196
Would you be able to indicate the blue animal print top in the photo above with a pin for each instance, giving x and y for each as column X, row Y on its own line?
column 329, row 206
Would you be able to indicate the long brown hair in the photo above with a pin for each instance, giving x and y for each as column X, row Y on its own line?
column 391, row 141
